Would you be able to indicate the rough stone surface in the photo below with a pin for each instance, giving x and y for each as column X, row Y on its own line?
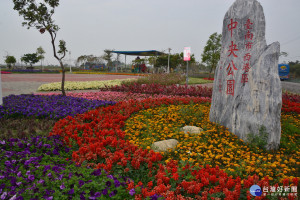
column 258, row 100
column 164, row 145
column 191, row 129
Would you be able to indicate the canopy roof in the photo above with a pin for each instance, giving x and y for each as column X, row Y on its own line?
column 140, row 53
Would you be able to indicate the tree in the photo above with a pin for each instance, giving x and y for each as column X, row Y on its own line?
column 40, row 52
column 108, row 57
column 39, row 16
column 211, row 53
column 30, row 58
column 83, row 59
column 10, row 60
column 176, row 60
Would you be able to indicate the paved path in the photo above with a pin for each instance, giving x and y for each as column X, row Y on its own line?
column 29, row 83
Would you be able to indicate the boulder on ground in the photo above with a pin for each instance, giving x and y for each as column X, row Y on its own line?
column 191, row 129
column 164, row 145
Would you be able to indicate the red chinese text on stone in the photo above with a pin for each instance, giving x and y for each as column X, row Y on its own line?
column 248, row 24
column 229, row 68
column 232, row 26
column 232, row 49
column 230, row 87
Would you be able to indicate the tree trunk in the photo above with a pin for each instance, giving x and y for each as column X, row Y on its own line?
column 63, row 78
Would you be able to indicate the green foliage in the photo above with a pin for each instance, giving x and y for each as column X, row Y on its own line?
column 40, row 52
column 260, row 140
column 176, row 60
column 295, row 69
column 39, row 15
column 30, row 58
column 193, row 81
column 9, row 60
column 211, row 53
column 24, row 127
column 107, row 56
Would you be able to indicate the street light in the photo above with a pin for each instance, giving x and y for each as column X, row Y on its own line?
column 168, row 71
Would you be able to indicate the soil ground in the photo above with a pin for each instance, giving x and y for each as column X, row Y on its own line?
column 29, row 83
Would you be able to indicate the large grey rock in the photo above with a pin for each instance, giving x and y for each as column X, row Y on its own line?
column 164, row 145
column 257, row 101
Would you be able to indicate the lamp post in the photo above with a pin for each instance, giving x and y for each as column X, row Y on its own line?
column 168, row 71
column 70, row 61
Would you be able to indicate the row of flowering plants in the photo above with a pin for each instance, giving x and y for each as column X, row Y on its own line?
column 5, row 72
column 162, row 89
column 41, row 106
column 38, row 168
column 102, row 143
column 108, row 73
column 81, row 85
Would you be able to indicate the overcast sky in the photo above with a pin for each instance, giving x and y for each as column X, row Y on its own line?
column 90, row 26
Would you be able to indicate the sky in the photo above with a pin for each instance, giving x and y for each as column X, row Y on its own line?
column 90, row 26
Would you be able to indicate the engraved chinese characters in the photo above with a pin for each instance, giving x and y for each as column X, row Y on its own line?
column 247, row 88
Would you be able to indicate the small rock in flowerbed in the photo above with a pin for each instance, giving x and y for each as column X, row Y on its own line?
column 53, row 107
column 38, row 168
column 191, row 130
column 164, row 145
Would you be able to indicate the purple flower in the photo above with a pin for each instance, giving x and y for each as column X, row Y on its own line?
column 13, row 197
column 71, row 191
column 31, row 177
column 108, row 183
column 81, row 183
column 62, row 186
column 97, row 172
column 110, row 176
column 3, row 195
column 41, row 181
column 104, row 192
column 132, row 192
column 113, row 193
column 19, row 174
column 117, row 183
column 2, row 142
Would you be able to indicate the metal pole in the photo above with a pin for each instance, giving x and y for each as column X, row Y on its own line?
column 168, row 71
column 187, row 73
column 125, row 61
column 70, row 61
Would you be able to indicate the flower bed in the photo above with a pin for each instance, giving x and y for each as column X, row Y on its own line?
column 80, row 85
column 162, row 89
column 53, row 107
column 101, row 142
column 5, row 72
column 22, row 71
column 100, row 139
column 128, row 74
column 215, row 145
column 114, row 96
column 38, row 168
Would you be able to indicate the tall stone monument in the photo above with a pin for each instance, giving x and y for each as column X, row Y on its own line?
column 247, row 90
